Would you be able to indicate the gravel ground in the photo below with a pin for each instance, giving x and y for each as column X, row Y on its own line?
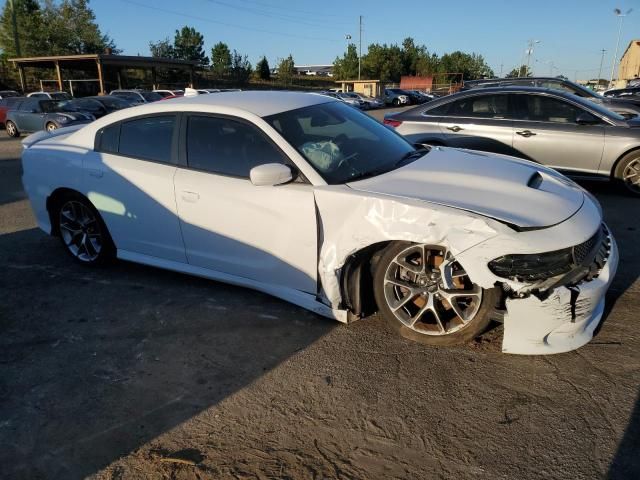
column 132, row 373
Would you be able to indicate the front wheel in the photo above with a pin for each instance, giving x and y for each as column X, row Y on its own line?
column 82, row 231
column 628, row 172
column 12, row 130
column 50, row 127
column 396, row 102
column 423, row 292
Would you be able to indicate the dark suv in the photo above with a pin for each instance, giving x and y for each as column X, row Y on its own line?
column 623, row 107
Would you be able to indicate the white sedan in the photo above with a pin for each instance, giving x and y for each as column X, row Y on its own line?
column 305, row 198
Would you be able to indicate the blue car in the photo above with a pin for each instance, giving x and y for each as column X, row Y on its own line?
column 34, row 114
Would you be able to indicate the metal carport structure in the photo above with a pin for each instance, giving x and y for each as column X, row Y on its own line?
column 101, row 62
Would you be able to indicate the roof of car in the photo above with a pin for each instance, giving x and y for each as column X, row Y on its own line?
column 261, row 103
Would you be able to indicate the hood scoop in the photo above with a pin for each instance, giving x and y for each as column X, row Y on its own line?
column 517, row 192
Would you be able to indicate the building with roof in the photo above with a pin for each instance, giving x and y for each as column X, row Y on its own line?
column 629, row 67
column 101, row 64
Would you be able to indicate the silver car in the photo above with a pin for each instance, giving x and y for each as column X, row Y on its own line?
column 561, row 130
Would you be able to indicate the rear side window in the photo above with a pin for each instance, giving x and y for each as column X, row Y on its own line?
column 546, row 109
column 109, row 138
column 482, row 106
column 227, row 147
column 148, row 138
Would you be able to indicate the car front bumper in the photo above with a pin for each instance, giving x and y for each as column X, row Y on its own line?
column 563, row 321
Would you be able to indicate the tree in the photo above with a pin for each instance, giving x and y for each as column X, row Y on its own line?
column 286, row 69
column 189, row 45
column 221, row 59
column 162, row 49
column 346, row 68
column 262, row 69
column 240, row 68
column 383, row 62
column 522, row 71
column 472, row 66
column 50, row 28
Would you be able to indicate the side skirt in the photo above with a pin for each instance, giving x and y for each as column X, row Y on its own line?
column 301, row 299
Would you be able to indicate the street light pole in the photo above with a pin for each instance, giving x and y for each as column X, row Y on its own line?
column 360, row 47
column 621, row 16
column 529, row 52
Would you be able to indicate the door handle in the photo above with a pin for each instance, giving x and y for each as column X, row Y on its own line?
column 455, row 128
column 94, row 172
column 191, row 197
column 526, row 133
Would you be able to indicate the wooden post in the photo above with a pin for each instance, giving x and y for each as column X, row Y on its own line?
column 59, row 75
column 119, row 79
column 21, row 75
column 100, row 79
column 191, row 77
column 153, row 78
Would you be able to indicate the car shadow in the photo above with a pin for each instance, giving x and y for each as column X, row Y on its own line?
column 98, row 362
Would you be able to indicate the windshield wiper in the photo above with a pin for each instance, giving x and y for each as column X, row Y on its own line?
column 412, row 155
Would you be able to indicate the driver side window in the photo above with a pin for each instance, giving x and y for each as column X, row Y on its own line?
column 228, row 147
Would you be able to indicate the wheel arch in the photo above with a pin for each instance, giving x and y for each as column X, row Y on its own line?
column 356, row 282
column 54, row 200
column 612, row 174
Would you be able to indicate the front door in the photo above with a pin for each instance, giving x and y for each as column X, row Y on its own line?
column 267, row 233
column 546, row 131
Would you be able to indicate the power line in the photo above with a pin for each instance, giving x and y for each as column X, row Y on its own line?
column 217, row 22
column 280, row 16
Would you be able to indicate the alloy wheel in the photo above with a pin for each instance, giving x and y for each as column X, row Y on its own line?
column 11, row 129
column 631, row 175
column 429, row 292
column 80, row 231
column 51, row 127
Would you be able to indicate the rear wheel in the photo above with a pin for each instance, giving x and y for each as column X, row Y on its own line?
column 50, row 126
column 82, row 231
column 423, row 292
column 12, row 130
column 628, row 172
column 396, row 101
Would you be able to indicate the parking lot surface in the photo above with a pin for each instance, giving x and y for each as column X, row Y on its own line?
column 131, row 372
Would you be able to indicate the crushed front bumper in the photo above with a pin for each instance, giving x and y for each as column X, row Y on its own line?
column 564, row 321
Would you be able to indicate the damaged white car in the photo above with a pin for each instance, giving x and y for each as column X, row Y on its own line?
column 307, row 199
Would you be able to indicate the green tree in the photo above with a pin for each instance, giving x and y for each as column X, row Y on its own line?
column 383, row 62
column 262, row 69
column 30, row 28
column 240, row 68
column 189, row 45
column 522, row 71
column 346, row 68
column 162, row 49
column 286, row 69
column 221, row 59
column 472, row 66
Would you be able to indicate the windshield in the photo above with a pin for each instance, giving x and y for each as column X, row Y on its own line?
column 151, row 96
column 113, row 103
column 52, row 106
column 60, row 96
column 341, row 143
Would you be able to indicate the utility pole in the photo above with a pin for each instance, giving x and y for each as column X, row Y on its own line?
column 501, row 65
column 529, row 52
column 621, row 16
column 360, row 47
column 14, row 22
column 600, row 69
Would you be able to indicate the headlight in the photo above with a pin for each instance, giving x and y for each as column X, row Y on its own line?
column 62, row 119
column 532, row 267
column 541, row 266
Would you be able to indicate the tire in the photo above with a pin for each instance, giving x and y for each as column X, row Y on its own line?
column 627, row 173
column 82, row 231
column 12, row 129
column 396, row 102
column 50, row 127
column 429, row 313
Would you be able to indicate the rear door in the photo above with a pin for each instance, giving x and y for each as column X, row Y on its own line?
column 479, row 122
column 30, row 116
column 129, row 179
column 546, row 131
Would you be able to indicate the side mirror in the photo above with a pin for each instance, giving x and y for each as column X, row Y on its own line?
column 587, row 119
column 270, row 174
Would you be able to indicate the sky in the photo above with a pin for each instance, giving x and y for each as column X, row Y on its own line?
column 572, row 33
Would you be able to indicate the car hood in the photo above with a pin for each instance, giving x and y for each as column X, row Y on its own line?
column 517, row 192
column 74, row 115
